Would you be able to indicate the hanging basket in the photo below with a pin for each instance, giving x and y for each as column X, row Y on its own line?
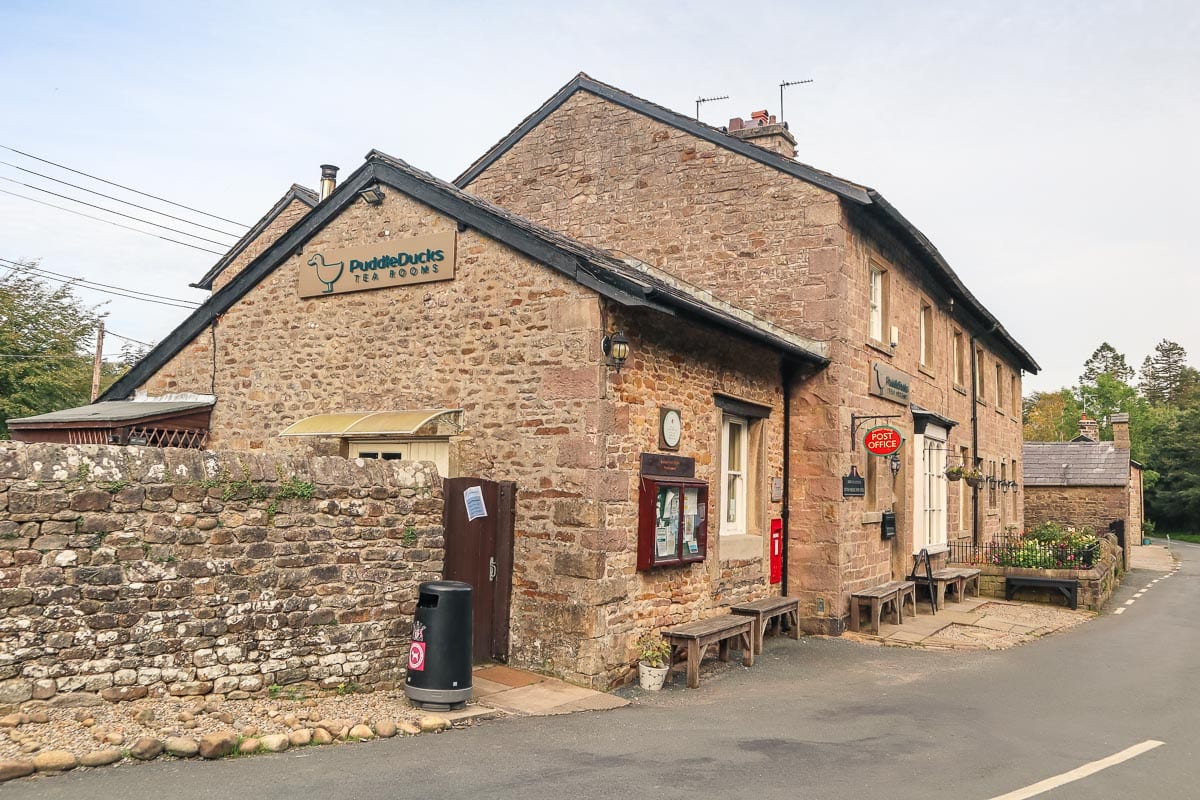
column 973, row 482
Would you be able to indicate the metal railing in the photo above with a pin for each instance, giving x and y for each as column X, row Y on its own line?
column 1014, row 550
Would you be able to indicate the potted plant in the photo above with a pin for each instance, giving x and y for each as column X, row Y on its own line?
column 955, row 473
column 973, row 477
column 654, row 660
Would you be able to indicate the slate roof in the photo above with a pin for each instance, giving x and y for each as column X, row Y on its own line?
column 628, row 283
column 112, row 411
column 857, row 195
column 1075, row 464
column 296, row 192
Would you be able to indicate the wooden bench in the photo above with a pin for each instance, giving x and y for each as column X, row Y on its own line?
column 770, row 611
column 878, row 597
column 1069, row 587
column 970, row 577
column 937, row 581
column 694, row 638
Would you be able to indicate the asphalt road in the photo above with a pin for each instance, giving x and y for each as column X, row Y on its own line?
column 821, row 718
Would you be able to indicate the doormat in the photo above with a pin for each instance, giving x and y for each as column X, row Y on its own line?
column 507, row 676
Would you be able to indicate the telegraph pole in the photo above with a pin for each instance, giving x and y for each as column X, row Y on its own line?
column 96, row 363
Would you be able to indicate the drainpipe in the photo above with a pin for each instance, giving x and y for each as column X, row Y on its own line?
column 787, row 372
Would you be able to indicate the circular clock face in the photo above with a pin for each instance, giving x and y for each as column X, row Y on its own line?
column 672, row 428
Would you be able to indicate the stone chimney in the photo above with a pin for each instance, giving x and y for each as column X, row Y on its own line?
column 1089, row 428
column 764, row 131
column 328, row 179
column 1120, row 429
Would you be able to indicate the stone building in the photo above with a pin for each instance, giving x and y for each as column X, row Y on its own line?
column 1086, row 482
column 773, row 315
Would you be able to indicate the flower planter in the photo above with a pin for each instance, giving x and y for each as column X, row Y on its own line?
column 954, row 476
column 651, row 678
column 973, row 482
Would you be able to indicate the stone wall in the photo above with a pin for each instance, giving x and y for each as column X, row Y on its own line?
column 516, row 346
column 131, row 571
column 1095, row 507
column 1096, row 585
column 793, row 253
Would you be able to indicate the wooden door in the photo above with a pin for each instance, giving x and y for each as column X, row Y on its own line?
column 479, row 552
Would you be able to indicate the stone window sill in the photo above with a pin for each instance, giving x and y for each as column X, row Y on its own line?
column 740, row 547
column 960, row 389
column 924, row 370
column 880, row 347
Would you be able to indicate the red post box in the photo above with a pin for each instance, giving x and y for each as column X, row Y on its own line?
column 776, row 550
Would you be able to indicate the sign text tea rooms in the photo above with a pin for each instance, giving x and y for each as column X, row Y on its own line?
column 421, row 259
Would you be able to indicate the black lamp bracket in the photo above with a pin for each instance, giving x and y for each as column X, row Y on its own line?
column 858, row 419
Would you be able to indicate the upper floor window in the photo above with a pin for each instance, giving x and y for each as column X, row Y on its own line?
column 926, row 335
column 999, row 388
column 979, row 383
column 878, row 295
column 1015, row 395
column 960, row 358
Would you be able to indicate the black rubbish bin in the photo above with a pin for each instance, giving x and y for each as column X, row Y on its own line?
column 439, row 657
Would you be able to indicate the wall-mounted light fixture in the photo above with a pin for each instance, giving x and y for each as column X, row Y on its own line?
column 894, row 464
column 616, row 348
column 372, row 194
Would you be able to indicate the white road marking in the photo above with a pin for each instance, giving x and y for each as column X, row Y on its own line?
column 1139, row 594
column 1080, row 772
column 1129, row 602
column 1120, row 611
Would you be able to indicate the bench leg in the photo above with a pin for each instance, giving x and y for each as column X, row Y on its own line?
column 855, row 614
column 972, row 582
column 941, row 594
column 747, row 648
column 758, row 632
column 694, row 654
column 876, row 613
column 723, row 649
column 895, row 601
column 794, row 614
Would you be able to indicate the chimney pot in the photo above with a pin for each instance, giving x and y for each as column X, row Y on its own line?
column 736, row 124
column 328, row 179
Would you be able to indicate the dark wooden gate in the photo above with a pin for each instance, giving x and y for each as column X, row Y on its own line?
column 479, row 552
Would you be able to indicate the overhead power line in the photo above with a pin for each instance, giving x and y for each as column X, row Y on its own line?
column 129, row 294
column 39, row 268
column 110, row 211
column 115, row 224
column 128, row 339
column 119, row 186
column 119, row 200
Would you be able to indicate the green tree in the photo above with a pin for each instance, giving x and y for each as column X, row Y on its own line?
column 1173, row 499
column 1162, row 373
column 1105, row 361
column 45, row 336
column 1050, row 416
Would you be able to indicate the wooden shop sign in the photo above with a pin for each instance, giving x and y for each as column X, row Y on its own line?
column 421, row 259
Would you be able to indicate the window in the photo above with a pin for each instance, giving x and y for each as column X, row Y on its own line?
column 871, row 478
column 979, row 385
column 878, row 300
column 999, row 388
column 960, row 357
column 926, row 335
column 733, row 474
column 930, row 491
column 435, row 450
column 963, row 491
column 1015, row 395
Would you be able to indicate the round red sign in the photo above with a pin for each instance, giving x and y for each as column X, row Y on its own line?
column 883, row 441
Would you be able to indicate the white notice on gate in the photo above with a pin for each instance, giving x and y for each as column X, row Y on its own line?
column 473, row 497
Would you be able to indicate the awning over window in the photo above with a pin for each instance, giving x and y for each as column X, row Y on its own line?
column 377, row 423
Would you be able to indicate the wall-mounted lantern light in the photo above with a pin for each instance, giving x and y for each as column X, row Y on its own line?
column 373, row 195
column 894, row 465
column 616, row 349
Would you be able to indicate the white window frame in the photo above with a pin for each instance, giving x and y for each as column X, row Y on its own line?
column 738, row 478
column 929, row 491
column 875, row 292
column 926, row 335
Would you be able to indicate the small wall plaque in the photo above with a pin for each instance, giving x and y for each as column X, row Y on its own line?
column 668, row 466
column 776, row 490
column 854, row 485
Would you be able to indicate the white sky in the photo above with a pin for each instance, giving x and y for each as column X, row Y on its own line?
column 1049, row 149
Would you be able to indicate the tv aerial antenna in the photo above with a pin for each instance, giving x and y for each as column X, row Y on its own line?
column 700, row 100
column 783, row 85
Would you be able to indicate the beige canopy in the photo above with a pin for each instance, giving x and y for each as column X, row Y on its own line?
column 376, row 423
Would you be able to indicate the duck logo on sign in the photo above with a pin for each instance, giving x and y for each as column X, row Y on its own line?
column 883, row 440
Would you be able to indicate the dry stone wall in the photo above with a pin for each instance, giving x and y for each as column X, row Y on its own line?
column 136, row 571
